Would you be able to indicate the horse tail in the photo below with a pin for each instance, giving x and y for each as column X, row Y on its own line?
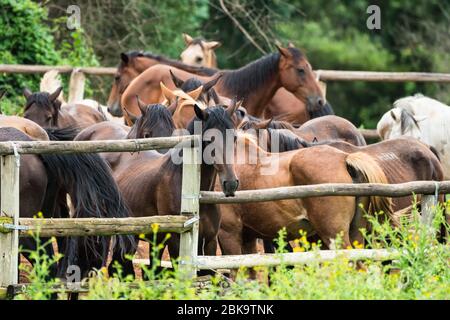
column 87, row 179
column 365, row 169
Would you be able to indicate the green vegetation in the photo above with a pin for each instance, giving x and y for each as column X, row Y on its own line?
column 413, row 37
column 421, row 272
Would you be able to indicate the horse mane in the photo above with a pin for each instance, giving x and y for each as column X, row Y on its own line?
column 287, row 141
column 62, row 134
column 217, row 118
column 252, row 76
column 42, row 100
column 154, row 114
column 407, row 121
column 202, row 71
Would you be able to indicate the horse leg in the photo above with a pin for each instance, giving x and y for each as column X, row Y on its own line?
column 155, row 257
column 126, row 264
column 249, row 247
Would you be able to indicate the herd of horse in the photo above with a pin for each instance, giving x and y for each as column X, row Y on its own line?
column 274, row 108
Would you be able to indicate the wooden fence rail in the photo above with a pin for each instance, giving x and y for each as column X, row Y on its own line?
column 324, row 75
column 188, row 222
column 331, row 189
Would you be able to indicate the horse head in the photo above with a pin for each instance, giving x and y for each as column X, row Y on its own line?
column 297, row 76
column 43, row 107
column 218, row 134
column 199, row 52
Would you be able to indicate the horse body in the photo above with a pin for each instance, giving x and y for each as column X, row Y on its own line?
column 326, row 216
column 423, row 118
column 256, row 84
column 30, row 128
column 45, row 180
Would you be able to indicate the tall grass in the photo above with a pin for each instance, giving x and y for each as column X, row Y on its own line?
column 421, row 272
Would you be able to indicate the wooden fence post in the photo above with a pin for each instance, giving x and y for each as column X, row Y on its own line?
column 428, row 205
column 9, row 242
column 190, row 193
column 76, row 86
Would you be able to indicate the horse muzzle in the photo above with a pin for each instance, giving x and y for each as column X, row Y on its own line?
column 230, row 187
column 115, row 109
column 315, row 103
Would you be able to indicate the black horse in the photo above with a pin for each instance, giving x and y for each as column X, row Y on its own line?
column 46, row 180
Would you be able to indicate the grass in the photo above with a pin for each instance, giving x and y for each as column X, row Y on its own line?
column 421, row 272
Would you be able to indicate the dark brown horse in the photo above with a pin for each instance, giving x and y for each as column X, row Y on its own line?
column 151, row 184
column 45, row 180
column 45, row 109
column 255, row 84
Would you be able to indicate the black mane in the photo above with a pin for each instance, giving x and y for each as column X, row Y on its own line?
column 247, row 79
column 41, row 99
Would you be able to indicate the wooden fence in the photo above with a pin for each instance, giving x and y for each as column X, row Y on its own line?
column 187, row 223
column 77, row 79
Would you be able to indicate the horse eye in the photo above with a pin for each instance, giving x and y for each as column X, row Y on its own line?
column 147, row 135
column 117, row 77
column 301, row 71
column 198, row 59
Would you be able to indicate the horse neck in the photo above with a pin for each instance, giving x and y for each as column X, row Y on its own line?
column 211, row 59
column 257, row 99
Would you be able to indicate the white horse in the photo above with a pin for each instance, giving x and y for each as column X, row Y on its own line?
column 423, row 118
column 51, row 81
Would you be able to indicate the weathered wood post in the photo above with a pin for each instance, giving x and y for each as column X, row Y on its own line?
column 190, row 193
column 9, row 215
column 428, row 205
column 76, row 86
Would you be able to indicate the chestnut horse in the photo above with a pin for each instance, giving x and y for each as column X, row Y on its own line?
column 45, row 109
column 255, row 84
column 44, row 182
column 132, row 64
column 327, row 217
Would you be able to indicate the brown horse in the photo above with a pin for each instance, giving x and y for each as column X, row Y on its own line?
column 242, row 224
column 151, row 185
column 199, row 52
column 45, row 109
column 132, row 64
column 255, row 83
column 45, row 180
column 30, row 128
column 323, row 129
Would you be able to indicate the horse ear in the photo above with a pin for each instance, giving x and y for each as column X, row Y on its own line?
column 129, row 117
column 213, row 44
column 201, row 114
column 393, row 115
column 207, row 86
column 27, row 93
column 167, row 93
column 291, row 45
column 234, row 106
column 124, row 57
column 142, row 106
column 55, row 94
column 284, row 52
column 194, row 94
column 263, row 124
column 177, row 81
column 187, row 39
column 172, row 108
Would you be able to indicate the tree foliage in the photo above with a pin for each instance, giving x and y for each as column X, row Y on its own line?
column 413, row 37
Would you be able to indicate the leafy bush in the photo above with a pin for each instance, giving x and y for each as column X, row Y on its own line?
column 27, row 38
column 420, row 272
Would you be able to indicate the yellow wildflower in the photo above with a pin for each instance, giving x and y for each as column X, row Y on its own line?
column 155, row 227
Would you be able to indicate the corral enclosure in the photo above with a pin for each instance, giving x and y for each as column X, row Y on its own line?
column 363, row 71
